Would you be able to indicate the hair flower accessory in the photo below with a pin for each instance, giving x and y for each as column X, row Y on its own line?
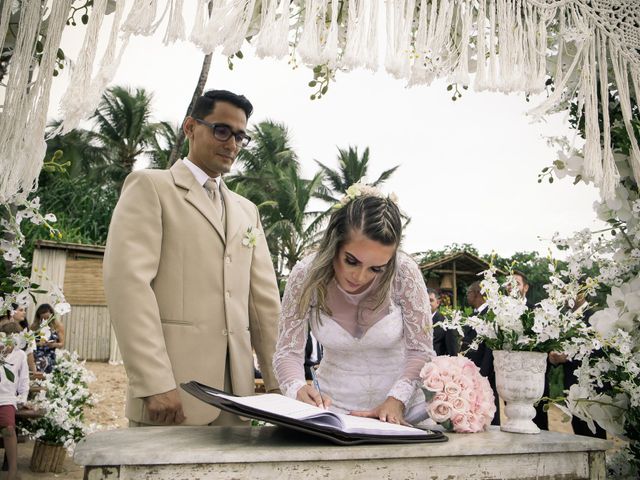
column 250, row 237
column 362, row 189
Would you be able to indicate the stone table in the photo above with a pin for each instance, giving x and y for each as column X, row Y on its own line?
column 272, row 453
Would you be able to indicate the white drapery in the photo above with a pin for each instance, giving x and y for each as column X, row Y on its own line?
column 501, row 45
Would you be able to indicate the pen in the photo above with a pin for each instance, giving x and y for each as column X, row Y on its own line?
column 316, row 384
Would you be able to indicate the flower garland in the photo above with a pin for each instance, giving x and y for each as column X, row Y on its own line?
column 362, row 189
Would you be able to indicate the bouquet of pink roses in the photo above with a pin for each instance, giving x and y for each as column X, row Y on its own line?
column 458, row 396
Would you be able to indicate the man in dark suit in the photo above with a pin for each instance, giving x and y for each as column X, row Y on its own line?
column 445, row 342
column 483, row 356
column 580, row 427
column 312, row 355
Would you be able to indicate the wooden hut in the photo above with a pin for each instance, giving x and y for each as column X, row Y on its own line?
column 452, row 273
column 77, row 269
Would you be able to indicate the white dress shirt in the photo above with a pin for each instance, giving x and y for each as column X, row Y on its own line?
column 202, row 177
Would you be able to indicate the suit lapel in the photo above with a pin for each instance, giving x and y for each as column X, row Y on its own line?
column 196, row 195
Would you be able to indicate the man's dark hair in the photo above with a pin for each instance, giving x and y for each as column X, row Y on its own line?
column 475, row 287
column 435, row 292
column 525, row 280
column 204, row 104
column 10, row 327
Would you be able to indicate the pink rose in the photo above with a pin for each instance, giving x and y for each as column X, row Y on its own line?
column 433, row 383
column 460, row 424
column 452, row 389
column 459, row 405
column 440, row 411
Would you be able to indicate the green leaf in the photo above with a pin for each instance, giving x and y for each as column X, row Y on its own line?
column 239, row 54
column 449, row 88
column 84, row 19
column 313, row 83
column 428, row 394
column 324, row 89
column 60, row 54
column 10, row 376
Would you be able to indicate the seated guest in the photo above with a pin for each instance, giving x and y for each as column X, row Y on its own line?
column 20, row 315
column 445, row 342
column 45, row 354
column 12, row 395
column 10, row 317
column 483, row 356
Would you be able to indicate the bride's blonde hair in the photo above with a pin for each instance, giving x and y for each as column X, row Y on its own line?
column 377, row 218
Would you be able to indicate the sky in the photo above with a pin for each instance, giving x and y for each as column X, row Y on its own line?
column 468, row 169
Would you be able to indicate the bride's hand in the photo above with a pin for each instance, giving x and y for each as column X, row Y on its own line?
column 391, row 410
column 310, row 395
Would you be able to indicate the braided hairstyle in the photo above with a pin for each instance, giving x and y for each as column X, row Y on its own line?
column 377, row 218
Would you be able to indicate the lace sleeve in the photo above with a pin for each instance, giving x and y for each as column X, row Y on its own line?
column 410, row 294
column 288, row 361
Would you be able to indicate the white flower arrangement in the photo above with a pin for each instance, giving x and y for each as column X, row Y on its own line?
column 508, row 324
column 250, row 237
column 62, row 400
column 362, row 189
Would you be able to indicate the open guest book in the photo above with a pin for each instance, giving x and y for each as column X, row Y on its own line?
column 287, row 412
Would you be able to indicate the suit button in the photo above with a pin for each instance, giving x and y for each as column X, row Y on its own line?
column 227, row 259
column 227, row 294
column 224, row 332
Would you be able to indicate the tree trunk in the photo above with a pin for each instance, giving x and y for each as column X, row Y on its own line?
column 204, row 75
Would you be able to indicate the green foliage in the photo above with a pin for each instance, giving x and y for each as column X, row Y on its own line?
column 269, row 176
column 322, row 75
column 352, row 168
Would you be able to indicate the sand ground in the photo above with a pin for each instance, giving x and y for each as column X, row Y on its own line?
column 109, row 388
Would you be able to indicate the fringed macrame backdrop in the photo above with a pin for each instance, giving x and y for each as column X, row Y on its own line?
column 507, row 45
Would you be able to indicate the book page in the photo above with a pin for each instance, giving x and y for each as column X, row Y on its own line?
column 280, row 405
column 288, row 407
column 374, row 426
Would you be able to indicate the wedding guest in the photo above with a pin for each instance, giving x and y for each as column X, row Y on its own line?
column 17, row 315
column 312, row 355
column 20, row 315
column 367, row 304
column 445, row 342
column 483, row 356
column 45, row 353
column 580, row 427
column 188, row 276
column 13, row 394
column 523, row 286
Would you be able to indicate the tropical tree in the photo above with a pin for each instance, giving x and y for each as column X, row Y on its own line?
column 352, row 168
column 292, row 226
column 269, row 175
column 123, row 128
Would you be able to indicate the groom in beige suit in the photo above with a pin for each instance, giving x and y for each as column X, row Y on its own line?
column 188, row 276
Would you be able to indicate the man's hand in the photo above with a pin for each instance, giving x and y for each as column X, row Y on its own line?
column 391, row 411
column 556, row 358
column 165, row 408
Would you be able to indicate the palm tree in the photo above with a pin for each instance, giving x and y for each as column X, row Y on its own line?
column 259, row 166
column 351, row 169
column 292, row 227
column 269, row 175
column 162, row 145
column 123, row 128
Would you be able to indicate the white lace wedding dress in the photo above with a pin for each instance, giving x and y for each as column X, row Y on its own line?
column 364, row 361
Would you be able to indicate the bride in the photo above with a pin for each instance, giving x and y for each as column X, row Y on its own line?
column 367, row 304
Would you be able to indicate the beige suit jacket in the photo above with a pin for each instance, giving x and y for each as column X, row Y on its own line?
column 183, row 296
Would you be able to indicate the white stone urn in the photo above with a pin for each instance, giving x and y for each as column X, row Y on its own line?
column 520, row 378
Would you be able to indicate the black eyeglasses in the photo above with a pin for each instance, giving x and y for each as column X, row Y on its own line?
column 223, row 132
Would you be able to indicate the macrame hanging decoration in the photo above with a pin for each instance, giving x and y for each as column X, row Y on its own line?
column 26, row 97
column 498, row 45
